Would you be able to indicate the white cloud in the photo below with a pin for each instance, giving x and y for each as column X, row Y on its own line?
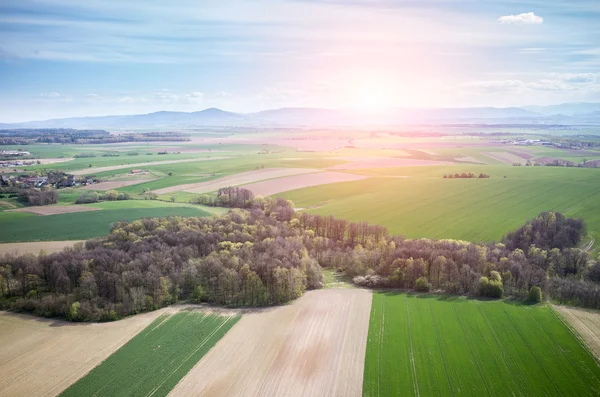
column 50, row 94
column 195, row 95
column 528, row 18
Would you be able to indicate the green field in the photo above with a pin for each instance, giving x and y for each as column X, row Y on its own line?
column 154, row 361
column 453, row 346
column 84, row 225
column 424, row 205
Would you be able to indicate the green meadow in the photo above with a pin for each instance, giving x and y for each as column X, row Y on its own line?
column 419, row 203
column 18, row 226
column 420, row 345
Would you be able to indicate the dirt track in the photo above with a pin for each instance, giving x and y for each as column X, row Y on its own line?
column 40, row 357
column 274, row 186
column 55, row 210
column 586, row 322
column 95, row 170
column 35, row 247
column 235, row 180
column 312, row 347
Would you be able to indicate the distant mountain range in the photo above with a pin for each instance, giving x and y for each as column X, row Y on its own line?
column 568, row 113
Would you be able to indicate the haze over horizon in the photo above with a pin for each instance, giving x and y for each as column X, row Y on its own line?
column 108, row 58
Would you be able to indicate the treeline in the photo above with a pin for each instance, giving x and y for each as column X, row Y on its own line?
column 94, row 197
column 466, row 175
column 37, row 197
column 271, row 254
column 242, row 258
column 25, row 136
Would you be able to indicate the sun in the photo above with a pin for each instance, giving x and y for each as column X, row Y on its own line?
column 372, row 97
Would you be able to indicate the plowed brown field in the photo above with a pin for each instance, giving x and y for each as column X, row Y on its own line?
column 587, row 324
column 40, row 357
column 312, row 347
column 55, row 209
column 35, row 247
column 235, row 180
column 274, row 186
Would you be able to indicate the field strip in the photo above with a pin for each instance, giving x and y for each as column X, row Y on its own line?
column 108, row 185
column 55, row 209
column 312, row 347
column 274, row 186
column 236, row 179
column 506, row 157
column 97, row 170
column 394, row 162
column 35, row 247
column 586, row 324
column 45, row 356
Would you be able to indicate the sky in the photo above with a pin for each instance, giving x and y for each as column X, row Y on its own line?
column 61, row 58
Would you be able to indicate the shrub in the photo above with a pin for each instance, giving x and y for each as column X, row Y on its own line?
column 491, row 287
column 535, row 294
column 87, row 198
column 422, row 285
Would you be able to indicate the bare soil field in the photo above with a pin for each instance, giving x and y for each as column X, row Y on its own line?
column 235, row 180
column 274, row 186
column 55, row 209
column 379, row 162
column 586, row 323
column 108, row 185
column 469, row 159
column 312, row 347
column 40, row 357
column 93, row 170
column 35, row 247
column 506, row 157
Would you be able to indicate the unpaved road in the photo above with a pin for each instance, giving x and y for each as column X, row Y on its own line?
column 40, row 357
column 587, row 324
column 95, row 170
column 35, row 247
column 312, row 347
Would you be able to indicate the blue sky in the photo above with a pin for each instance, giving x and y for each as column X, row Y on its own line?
column 62, row 58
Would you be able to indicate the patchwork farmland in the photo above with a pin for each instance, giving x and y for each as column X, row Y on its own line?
column 164, row 352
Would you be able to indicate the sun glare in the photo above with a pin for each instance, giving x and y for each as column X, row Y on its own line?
column 372, row 97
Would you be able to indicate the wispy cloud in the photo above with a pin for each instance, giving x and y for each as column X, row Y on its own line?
column 528, row 18
column 50, row 94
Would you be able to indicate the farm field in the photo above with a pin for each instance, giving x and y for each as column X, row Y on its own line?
column 45, row 210
column 154, row 361
column 45, row 356
column 94, row 170
column 586, row 323
column 427, row 206
column 274, row 186
column 438, row 345
column 313, row 347
column 35, row 248
column 22, row 227
column 235, row 179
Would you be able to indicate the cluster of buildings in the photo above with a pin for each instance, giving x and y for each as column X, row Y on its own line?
column 14, row 153
column 56, row 180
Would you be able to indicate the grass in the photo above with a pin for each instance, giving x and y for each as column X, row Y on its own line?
column 434, row 346
column 18, row 227
column 154, row 361
column 427, row 206
column 333, row 279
